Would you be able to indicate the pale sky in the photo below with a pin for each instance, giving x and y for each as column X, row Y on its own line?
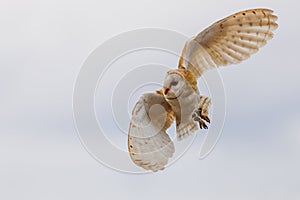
column 43, row 46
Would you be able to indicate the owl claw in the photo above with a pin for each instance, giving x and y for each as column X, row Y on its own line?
column 205, row 118
column 200, row 117
column 202, row 125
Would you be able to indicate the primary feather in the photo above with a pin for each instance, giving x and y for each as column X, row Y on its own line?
column 228, row 41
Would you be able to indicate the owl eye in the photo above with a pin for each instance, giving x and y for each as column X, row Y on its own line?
column 173, row 83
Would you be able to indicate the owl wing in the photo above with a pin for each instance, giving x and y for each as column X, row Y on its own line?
column 149, row 145
column 228, row 41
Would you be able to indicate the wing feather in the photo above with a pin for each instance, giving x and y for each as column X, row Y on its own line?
column 229, row 40
column 149, row 145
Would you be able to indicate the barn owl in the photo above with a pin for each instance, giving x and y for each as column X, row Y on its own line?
column 228, row 41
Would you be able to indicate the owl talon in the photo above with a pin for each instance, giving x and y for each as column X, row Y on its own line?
column 202, row 125
column 201, row 121
column 201, row 117
column 205, row 118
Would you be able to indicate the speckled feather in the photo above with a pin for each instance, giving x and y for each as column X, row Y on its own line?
column 149, row 145
column 228, row 41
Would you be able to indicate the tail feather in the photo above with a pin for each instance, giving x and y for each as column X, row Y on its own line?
column 185, row 129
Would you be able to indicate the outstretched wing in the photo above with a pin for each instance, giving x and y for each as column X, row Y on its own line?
column 228, row 41
column 149, row 145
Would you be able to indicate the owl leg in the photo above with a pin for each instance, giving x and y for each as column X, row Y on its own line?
column 201, row 114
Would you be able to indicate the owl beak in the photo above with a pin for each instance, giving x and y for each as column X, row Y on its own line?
column 168, row 94
column 166, row 91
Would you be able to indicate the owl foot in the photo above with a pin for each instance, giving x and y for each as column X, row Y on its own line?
column 201, row 117
column 201, row 114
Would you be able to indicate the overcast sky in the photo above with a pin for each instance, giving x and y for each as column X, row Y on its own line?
column 43, row 46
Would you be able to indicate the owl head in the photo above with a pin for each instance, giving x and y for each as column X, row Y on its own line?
column 177, row 82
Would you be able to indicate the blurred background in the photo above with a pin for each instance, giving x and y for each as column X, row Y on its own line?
column 44, row 44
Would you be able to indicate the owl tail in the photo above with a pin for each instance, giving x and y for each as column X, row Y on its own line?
column 185, row 129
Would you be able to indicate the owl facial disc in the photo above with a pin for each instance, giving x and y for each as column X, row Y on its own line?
column 173, row 86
